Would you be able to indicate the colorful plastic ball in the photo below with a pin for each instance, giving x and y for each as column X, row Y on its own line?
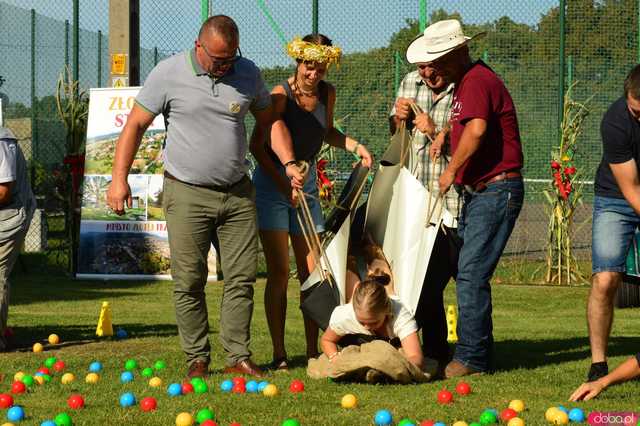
column 38, row 379
column 463, row 388
column 174, row 389
column 92, row 378
column 439, row 424
column 488, row 417
column 460, row 422
column 63, row 419
column 15, row 414
column 516, row 421
column 517, row 404
column 270, row 390
column 28, row 381
column 291, row 422
column 184, row 419
column 445, row 397
column 239, row 388
column 37, row 347
column 187, row 388
column 48, row 423
column 18, row 387
column 563, row 408
column 252, row 386
column 232, row 424
column 296, row 386
column 8, row 424
column 160, row 365
column 560, row 418
column 409, row 422
column 43, row 370
column 54, row 339
column 50, row 361
column 427, row 423
column 576, row 415
column 6, row 400
column 200, row 387
column 121, row 333
column 147, row 372
column 195, row 380
column 212, row 423
column 126, row 377
column 262, row 385
column 75, row 402
column 349, row 401
column 148, row 404
column 95, row 367
column 155, row 382
column 239, row 379
column 204, row 415
column 475, row 424
column 549, row 415
column 383, row 418
column 58, row 366
column 226, row 386
column 127, row 399
column 18, row 376
column 46, row 377
column 130, row 364
column 508, row 414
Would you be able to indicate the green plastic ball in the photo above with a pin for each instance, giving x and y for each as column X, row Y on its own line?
column 130, row 365
column 406, row 422
column 200, row 387
column 50, row 361
column 204, row 415
column 475, row 424
column 488, row 417
column 46, row 377
column 195, row 380
column 291, row 422
column 28, row 381
column 147, row 372
column 63, row 419
column 160, row 365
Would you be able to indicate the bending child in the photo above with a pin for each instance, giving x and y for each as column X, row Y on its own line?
column 372, row 312
column 630, row 369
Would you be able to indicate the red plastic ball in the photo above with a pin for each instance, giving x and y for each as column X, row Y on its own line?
column 507, row 414
column 187, row 388
column 148, row 404
column 235, row 424
column 445, row 397
column 296, row 386
column 427, row 423
column 44, row 370
column 75, row 402
column 239, row 388
column 6, row 400
column 239, row 380
column 59, row 366
column 208, row 422
column 18, row 387
column 463, row 388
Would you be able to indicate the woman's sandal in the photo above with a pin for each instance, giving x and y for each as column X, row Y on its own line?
column 279, row 364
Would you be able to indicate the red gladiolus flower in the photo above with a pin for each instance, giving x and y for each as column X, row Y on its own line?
column 570, row 171
column 555, row 165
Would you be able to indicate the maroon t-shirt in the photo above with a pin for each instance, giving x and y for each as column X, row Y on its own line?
column 481, row 94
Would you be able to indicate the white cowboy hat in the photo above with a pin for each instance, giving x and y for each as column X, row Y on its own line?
column 438, row 40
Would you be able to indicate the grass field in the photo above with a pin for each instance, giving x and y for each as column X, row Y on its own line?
column 541, row 346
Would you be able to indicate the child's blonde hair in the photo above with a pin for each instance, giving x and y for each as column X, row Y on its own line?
column 370, row 296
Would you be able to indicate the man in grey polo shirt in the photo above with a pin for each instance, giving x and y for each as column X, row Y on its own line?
column 204, row 95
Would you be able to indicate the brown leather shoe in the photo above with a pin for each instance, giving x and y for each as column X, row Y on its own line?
column 457, row 369
column 198, row 368
column 246, row 366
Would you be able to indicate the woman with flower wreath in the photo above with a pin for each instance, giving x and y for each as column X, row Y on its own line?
column 304, row 106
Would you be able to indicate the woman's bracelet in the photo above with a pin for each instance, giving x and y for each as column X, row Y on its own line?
column 290, row 162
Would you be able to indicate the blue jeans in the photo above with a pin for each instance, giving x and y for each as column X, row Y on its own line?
column 486, row 222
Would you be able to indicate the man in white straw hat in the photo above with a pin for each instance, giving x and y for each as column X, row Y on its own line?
column 486, row 159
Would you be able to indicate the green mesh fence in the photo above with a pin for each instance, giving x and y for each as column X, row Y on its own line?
column 523, row 45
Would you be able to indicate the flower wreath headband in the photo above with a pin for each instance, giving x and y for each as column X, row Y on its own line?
column 311, row 52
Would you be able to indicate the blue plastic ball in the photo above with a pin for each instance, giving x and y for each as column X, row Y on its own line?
column 252, row 386
column 439, row 424
column 95, row 367
column 15, row 414
column 174, row 389
column 121, row 333
column 226, row 386
column 262, row 385
column 562, row 408
column 39, row 373
column 126, row 377
column 48, row 423
column 127, row 399
column 576, row 415
column 383, row 418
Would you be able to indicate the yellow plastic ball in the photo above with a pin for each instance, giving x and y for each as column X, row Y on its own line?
column 67, row 378
column 516, row 421
column 18, row 376
column 349, row 401
column 37, row 347
column 39, row 380
column 8, row 424
column 270, row 390
column 517, row 405
column 549, row 415
column 460, row 423
column 155, row 382
column 560, row 418
column 184, row 419
column 54, row 339
column 92, row 378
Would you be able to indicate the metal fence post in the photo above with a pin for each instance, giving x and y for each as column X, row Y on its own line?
column 396, row 80
column 155, row 56
column 314, row 29
column 76, row 39
column 66, row 42
column 99, row 58
column 34, row 106
column 569, row 71
column 561, row 69
column 423, row 14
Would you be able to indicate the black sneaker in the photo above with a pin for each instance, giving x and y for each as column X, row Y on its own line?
column 597, row 370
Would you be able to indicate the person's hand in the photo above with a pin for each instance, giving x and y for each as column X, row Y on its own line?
column 425, row 124
column 285, row 186
column 403, row 108
column 118, row 194
column 446, row 180
column 435, row 150
column 295, row 174
column 363, row 152
column 587, row 391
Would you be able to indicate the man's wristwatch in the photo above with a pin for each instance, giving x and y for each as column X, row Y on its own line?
column 290, row 162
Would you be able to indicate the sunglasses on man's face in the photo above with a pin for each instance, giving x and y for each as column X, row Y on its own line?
column 218, row 61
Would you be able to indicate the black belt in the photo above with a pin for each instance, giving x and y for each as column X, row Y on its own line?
column 218, row 188
column 481, row 186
